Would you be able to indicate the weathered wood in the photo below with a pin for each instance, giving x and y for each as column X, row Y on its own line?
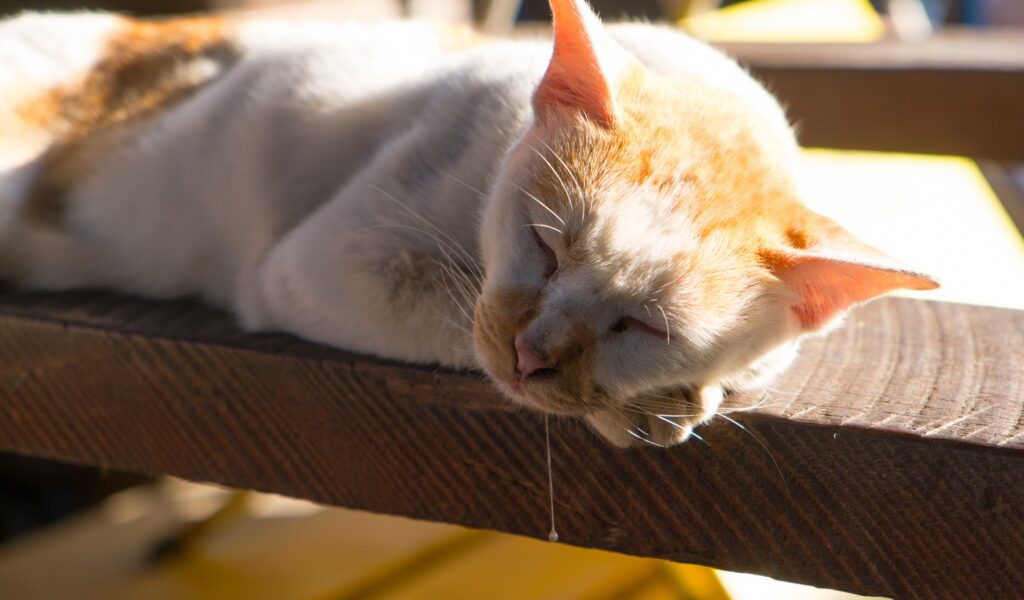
column 959, row 93
column 889, row 460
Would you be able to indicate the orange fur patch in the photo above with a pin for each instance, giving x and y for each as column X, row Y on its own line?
column 710, row 148
column 145, row 68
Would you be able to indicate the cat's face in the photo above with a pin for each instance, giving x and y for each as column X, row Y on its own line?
column 613, row 266
column 645, row 248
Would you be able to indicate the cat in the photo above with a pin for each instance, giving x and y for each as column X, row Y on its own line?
column 610, row 227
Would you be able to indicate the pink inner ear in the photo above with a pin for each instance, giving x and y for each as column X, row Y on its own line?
column 826, row 286
column 575, row 79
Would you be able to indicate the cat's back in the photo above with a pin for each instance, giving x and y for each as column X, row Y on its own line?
column 89, row 100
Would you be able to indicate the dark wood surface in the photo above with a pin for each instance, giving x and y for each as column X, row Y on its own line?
column 889, row 460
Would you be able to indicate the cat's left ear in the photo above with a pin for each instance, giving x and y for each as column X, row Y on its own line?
column 585, row 66
column 836, row 272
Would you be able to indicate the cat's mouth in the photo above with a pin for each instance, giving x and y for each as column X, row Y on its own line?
column 532, row 394
column 515, row 387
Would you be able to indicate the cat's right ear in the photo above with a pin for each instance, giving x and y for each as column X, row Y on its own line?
column 585, row 66
column 837, row 271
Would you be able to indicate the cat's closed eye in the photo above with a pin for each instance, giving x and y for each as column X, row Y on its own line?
column 550, row 258
column 630, row 323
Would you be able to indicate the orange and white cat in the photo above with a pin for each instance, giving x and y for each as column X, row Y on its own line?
column 611, row 229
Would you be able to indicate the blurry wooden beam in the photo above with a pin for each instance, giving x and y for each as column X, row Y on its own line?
column 956, row 93
column 498, row 17
column 131, row 7
column 680, row 9
column 324, row 10
column 449, row 10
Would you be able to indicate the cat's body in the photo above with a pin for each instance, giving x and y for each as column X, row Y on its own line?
column 349, row 184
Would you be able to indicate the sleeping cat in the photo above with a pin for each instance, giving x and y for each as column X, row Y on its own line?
column 610, row 229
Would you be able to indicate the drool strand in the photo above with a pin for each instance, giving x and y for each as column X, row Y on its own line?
column 553, row 534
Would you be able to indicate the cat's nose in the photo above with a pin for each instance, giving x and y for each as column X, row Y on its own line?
column 528, row 361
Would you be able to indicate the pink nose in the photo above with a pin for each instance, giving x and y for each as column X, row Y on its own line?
column 527, row 361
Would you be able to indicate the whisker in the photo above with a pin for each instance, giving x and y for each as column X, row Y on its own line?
column 469, row 258
column 642, row 439
column 463, row 183
column 764, row 446
column 668, row 334
column 544, row 206
column 666, row 419
column 565, row 166
column 554, row 171
column 641, row 411
column 555, row 229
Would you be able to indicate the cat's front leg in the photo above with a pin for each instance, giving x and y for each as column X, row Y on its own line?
column 366, row 291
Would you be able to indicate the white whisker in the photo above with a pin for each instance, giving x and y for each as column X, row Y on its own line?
column 642, row 439
column 466, row 257
column 764, row 446
column 464, row 184
column 555, row 229
column 561, row 182
column 544, row 206
column 668, row 334
column 565, row 166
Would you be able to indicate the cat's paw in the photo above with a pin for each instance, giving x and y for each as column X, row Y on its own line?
column 663, row 420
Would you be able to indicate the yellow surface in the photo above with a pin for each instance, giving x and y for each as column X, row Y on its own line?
column 283, row 548
column 789, row 21
column 936, row 214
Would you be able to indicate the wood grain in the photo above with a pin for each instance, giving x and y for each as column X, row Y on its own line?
column 889, row 460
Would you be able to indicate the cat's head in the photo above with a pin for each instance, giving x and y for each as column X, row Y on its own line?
column 646, row 247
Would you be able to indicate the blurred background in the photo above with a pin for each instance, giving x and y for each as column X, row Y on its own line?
column 76, row 532
column 937, row 12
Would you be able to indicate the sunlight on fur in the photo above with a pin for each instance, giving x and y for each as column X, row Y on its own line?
column 611, row 227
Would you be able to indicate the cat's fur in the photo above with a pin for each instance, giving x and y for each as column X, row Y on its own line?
column 613, row 231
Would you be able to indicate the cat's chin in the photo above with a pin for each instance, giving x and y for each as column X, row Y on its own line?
column 637, row 425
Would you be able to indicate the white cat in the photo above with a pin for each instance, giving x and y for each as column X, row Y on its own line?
column 610, row 230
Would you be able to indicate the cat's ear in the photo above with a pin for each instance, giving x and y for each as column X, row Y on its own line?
column 584, row 66
column 837, row 271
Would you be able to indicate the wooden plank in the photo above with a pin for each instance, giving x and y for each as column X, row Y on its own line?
column 889, row 460
column 958, row 93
